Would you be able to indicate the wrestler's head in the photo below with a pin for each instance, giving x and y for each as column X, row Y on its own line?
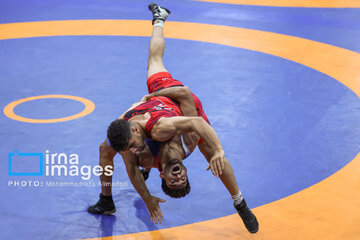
column 175, row 182
column 123, row 135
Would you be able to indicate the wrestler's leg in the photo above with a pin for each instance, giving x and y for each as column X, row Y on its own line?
column 105, row 205
column 107, row 155
column 228, row 179
column 156, row 52
column 157, row 42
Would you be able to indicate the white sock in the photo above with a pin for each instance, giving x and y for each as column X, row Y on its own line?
column 237, row 198
column 159, row 23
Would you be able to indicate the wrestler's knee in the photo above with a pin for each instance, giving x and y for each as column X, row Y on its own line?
column 155, row 67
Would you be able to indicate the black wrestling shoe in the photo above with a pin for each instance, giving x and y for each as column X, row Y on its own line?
column 145, row 173
column 105, row 205
column 159, row 13
column 247, row 216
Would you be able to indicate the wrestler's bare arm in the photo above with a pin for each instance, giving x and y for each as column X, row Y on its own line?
column 137, row 180
column 185, row 98
column 166, row 128
column 135, row 175
column 182, row 95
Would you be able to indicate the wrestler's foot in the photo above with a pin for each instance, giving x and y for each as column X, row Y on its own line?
column 247, row 216
column 159, row 13
column 145, row 173
column 105, row 205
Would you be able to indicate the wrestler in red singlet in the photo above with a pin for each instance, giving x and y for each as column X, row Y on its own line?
column 161, row 107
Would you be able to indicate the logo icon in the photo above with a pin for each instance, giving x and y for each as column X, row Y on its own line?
column 25, row 164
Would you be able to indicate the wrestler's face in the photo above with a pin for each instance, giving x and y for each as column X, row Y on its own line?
column 136, row 143
column 175, row 174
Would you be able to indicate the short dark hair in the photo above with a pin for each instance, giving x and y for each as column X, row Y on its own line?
column 176, row 193
column 118, row 134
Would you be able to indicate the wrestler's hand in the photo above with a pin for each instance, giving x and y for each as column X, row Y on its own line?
column 216, row 163
column 154, row 209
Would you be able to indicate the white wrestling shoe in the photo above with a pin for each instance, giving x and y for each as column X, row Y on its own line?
column 159, row 13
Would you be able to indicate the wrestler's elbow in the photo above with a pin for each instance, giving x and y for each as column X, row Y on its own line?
column 186, row 92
